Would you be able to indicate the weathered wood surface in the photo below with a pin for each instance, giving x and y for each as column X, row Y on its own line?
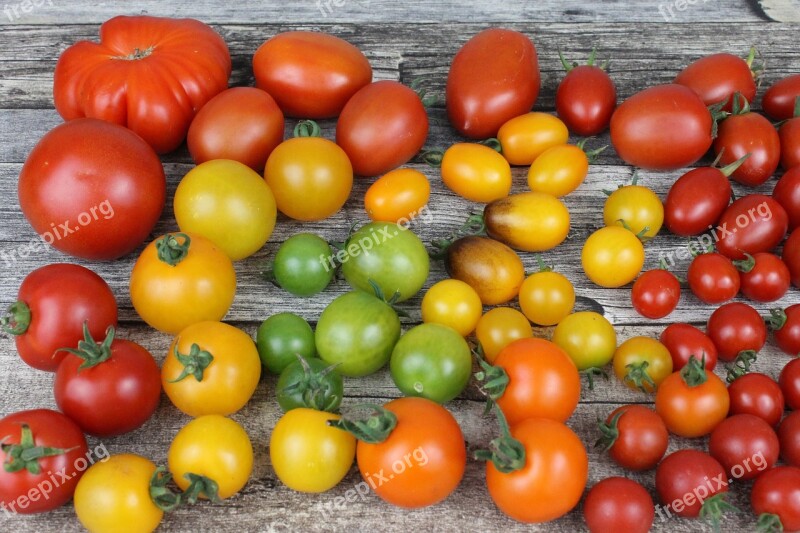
column 643, row 54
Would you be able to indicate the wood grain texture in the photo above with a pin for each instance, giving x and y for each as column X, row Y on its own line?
column 414, row 45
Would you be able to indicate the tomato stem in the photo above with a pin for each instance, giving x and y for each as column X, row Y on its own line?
column 637, row 374
column 745, row 265
column 475, row 225
column 433, row 157
column 137, row 54
column 730, row 169
column 505, row 452
column 374, row 429
column 714, row 507
column 89, row 350
column 493, row 380
column 316, row 394
column 493, row 143
column 428, row 100
column 26, row 454
column 609, row 432
column 776, row 319
column 200, row 485
column 769, row 523
column 590, row 374
column 740, row 105
column 741, row 365
column 17, row 318
column 172, row 251
column 694, row 372
column 796, row 113
column 565, row 63
column 194, row 363
column 307, row 128
column 162, row 496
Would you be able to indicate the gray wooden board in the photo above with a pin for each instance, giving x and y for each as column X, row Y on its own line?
column 415, row 44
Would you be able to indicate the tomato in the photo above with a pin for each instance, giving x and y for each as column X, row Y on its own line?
column 381, row 127
column 757, row 394
column 588, row 338
column 543, row 382
column 618, row 504
column 687, row 479
column 683, row 341
column 717, row 77
column 789, row 134
column 739, row 440
column 734, row 328
column 635, row 437
column 310, row 177
column 780, row 99
column 358, row 331
column 713, row 278
column 559, row 170
column 388, row 255
column 791, row 256
column 789, row 437
column 211, row 368
column 53, row 303
column 476, row 172
column 494, row 77
column 310, row 383
column 303, row 265
column 777, row 492
column 642, row 363
column 586, row 97
column 229, row 204
column 399, row 196
column 498, row 328
column 212, row 452
column 692, row 401
column 307, row 454
column 785, row 327
column 52, row 443
column 123, row 484
column 178, row 65
column 790, row 384
column 423, row 454
column 546, row 297
column 749, row 133
column 453, row 303
column 180, row 279
column 635, row 207
column 310, row 74
column 490, row 267
column 696, row 200
column 281, row 337
column 765, row 278
column 787, row 193
column 751, row 224
column 525, row 137
column 432, row 361
column 528, row 221
column 110, row 388
column 554, row 456
column 241, row 123
column 612, row 256
column 655, row 294
column 665, row 127
column 92, row 189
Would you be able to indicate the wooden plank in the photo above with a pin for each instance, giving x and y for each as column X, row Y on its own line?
column 781, row 10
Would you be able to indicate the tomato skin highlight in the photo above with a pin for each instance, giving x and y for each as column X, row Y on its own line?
column 779, row 100
column 696, row 201
column 586, row 99
column 717, row 77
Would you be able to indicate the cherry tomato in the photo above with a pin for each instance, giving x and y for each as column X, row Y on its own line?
column 683, row 341
column 777, row 492
column 588, row 338
column 524, row 138
column 791, row 256
column 559, row 170
column 635, row 437
column 642, row 363
column 546, row 298
column 789, row 437
column 586, row 98
column 686, row 479
column 785, row 326
column 490, row 267
column 749, row 133
column 790, row 383
column 310, row 74
column 713, row 278
column 751, row 224
column 243, row 124
column 399, row 196
column 655, row 293
column 741, row 440
column 528, row 221
column 757, row 394
column 476, row 172
column 618, row 504
column 382, row 127
column 717, row 77
column 735, row 327
column 765, row 278
column 696, row 200
column 635, row 207
column 303, row 265
column 787, row 193
column 612, row 256
column 780, row 99
column 452, row 303
column 789, row 134
column 498, row 328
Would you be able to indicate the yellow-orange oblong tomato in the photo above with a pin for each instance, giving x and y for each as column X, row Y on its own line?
column 528, row 221
column 490, row 267
column 476, row 172
column 526, row 137
column 398, row 196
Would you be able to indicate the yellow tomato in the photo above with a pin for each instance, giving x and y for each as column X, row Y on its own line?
column 558, row 170
column 476, row 172
column 642, row 363
column 612, row 256
column 635, row 207
column 528, row 221
column 500, row 327
column 452, row 303
column 526, row 137
column 546, row 298
column 588, row 338
column 398, row 196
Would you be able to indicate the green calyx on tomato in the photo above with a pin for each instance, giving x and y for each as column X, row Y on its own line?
column 307, row 128
column 17, row 318
column 505, row 452
column 194, row 363
column 694, row 372
column 374, row 429
column 89, row 350
column 731, row 168
column 172, row 251
column 493, row 380
column 163, row 497
column 589, row 62
column 475, row 225
column 777, row 319
column 609, row 432
column 428, row 100
column 745, row 265
column 741, row 365
column 201, row 485
column 637, row 374
column 310, row 383
column 739, row 105
column 714, row 507
column 591, row 155
column 768, row 522
column 26, row 454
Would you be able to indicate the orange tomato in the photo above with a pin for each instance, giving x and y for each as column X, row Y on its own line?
column 476, row 172
column 526, row 137
column 398, row 196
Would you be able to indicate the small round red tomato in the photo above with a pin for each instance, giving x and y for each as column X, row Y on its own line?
column 382, row 127
column 686, row 479
column 789, row 134
column 635, row 437
column 696, row 200
column 789, row 437
column 655, row 293
column 749, row 133
column 734, row 328
column 242, row 123
column 757, row 394
column 310, row 74
column 776, row 492
column 791, row 256
column 684, row 341
column 745, row 445
column 717, row 77
column 713, row 278
column 618, row 504
column 785, row 326
column 399, row 196
column 780, row 99
column 751, row 224
column 665, row 127
column 789, row 381
column 787, row 193
column 586, row 98
column 765, row 278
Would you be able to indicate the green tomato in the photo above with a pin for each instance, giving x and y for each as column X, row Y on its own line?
column 357, row 331
column 302, row 265
column 432, row 361
column 281, row 337
column 310, row 383
column 387, row 254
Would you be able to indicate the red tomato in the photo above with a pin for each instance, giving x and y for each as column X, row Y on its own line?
column 785, row 326
column 92, row 189
column 683, row 341
column 790, row 384
column 662, row 128
column 789, row 134
column 52, row 305
column 696, row 200
column 713, row 278
column 618, row 504
column 716, row 78
column 744, row 445
column 734, row 328
column 493, row 78
column 686, row 479
column 789, row 437
column 787, row 193
column 147, row 73
column 382, row 127
column 765, row 278
column 780, row 99
column 749, row 133
column 777, row 492
column 751, row 224
column 759, row 395
column 655, row 293
column 586, row 98
column 310, row 74
column 25, row 490
column 791, row 256
column 109, row 388
column 243, row 124
column 635, row 437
